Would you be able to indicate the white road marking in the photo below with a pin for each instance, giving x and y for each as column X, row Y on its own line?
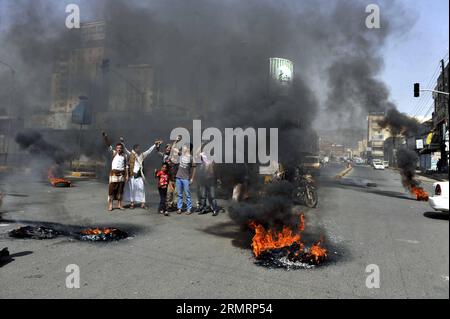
column 409, row 241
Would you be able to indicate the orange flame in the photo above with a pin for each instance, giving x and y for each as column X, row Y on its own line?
column 317, row 253
column 269, row 239
column 55, row 181
column 97, row 231
column 301, row 226
column 420, row 193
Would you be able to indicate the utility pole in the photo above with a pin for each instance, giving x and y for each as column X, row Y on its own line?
column 442, row 88
column 446, row 102
column 442, row 101
column 10, row 108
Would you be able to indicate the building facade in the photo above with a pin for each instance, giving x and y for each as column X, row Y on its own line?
column 440, row 117
column 112, row 87
column 376, row 135
column 281, row 75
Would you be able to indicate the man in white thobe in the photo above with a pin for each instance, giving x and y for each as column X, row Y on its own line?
column 135, row 188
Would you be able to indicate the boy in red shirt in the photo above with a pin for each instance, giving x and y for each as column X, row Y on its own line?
column 162, row 180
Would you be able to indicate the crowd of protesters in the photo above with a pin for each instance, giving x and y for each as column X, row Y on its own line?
column 174, row 178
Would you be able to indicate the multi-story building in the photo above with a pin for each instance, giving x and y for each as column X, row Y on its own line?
column 281, row 75
column 376, row 135
column 129, row 94
column 361, row 149
column 332, row 150
column 440, row 116
column 112, row 87
column 9, row 127
column 77, row 72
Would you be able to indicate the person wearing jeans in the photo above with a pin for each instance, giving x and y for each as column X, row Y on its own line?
column 208, row 191
column 185, row 176
column 207, row 185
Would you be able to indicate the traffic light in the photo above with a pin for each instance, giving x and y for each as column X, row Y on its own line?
column 416, row 89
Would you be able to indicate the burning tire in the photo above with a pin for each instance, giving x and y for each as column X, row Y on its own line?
column 284, row 248
column 60, row 182
column 102, row 234
column 90, row 234
column 31, row 232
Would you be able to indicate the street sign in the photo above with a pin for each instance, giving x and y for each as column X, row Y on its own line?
column 419, row 144
column 82, row 114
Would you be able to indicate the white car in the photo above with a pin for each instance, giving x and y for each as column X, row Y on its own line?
column 377, row 164
column 440, row 199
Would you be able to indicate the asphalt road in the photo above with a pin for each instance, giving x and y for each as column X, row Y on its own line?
column 208, row 257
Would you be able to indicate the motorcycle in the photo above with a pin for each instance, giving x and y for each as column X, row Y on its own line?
column 305, row 190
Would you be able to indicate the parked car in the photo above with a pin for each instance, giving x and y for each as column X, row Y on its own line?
column 439, row 201
column 386, row 164
column 325, row 160
column 377, row 164
column 311, row 162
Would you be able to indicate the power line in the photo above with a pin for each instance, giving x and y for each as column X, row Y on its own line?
column 429, row 110
column 421, row 102
column 421, row 105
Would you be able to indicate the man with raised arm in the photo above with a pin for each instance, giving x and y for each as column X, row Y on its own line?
column 118, row 174
column 135, row 188
column 171, row 158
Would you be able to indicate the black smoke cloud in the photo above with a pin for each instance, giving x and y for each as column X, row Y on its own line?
column 211, row 58
column 34, row 143
column 32, row 39
column 399, row 123
column 404, row 125
column 407, row 161
column 353, row 77
column 274, row 208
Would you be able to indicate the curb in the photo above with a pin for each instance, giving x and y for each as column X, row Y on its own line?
column 343, row 173
column 429, row 180
column 82, row 174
